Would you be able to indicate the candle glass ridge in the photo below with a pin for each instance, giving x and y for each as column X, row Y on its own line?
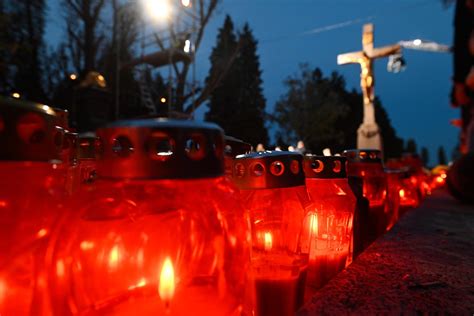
column 160, row 232
column 272, row 188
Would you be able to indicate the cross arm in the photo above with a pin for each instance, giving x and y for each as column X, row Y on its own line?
column 350, row 58
column 384, row 51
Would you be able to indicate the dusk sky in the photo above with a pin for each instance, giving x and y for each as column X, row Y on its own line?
column 416, row 100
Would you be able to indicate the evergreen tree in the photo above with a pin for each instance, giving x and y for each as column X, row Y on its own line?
column 250, row 114
column 224, row 98
column 411, row 146
column 425, row 157
column 441, row 156
column 237, row 104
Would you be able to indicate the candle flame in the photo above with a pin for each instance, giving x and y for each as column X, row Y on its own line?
column 268, row 241
column 114, row 257
column 402, row 193
column 166, row 284
column 314, row 224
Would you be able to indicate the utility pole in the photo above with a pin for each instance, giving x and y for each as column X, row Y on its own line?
column 368, row 133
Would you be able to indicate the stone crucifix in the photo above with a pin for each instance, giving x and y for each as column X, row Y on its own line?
column 368, row 134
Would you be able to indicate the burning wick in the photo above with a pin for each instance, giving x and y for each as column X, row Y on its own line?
column 166, row 284
column 268, row 241
column 402, row 193
column 314, row 224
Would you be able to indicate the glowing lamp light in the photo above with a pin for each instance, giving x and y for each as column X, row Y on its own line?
column 187, row 46
column 73, row 76
column 163, row 100
column 158, row 9
column 16, row 95
column 166, row 284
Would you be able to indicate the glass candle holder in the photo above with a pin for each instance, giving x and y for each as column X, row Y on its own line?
column 367, row 164
column 160, row 232
column 31, row 195
column 331, row 222
column 272, row 188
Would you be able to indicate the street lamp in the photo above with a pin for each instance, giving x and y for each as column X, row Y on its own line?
column 158, row 9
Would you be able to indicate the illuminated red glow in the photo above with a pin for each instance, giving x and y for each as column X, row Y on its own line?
column 330, row 229
column 30, row 193
column 155, row 247
column 280, row 247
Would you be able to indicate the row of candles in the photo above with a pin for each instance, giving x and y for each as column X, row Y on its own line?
column 141, row 218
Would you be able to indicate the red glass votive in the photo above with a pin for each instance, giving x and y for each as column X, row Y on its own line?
column 31, row 195
column 160, row 232
column 367, row 164
column 272, row 188
column 331, row 223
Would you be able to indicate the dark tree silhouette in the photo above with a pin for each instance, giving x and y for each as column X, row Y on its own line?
column 425, row 157
column 250, row 111
column 411, row 146
column 441, row 156
column 22, row 48
column 85, row 37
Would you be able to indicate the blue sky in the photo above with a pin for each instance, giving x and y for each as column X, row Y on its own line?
column 416, row 100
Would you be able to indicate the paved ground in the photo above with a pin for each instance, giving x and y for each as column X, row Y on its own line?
column 425, row 264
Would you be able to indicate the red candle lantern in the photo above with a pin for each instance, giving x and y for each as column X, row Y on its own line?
column 330, row 224
column 367, row 164
column 31, row 191
column 272, row 188
column 160, row 232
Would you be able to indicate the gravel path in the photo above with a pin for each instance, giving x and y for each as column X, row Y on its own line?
column 425, row 264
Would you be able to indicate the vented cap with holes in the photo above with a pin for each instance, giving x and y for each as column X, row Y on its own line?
column 324, row 167
column 363, row 155
column 28, row 131
column 268, row 170
column 160, row 149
